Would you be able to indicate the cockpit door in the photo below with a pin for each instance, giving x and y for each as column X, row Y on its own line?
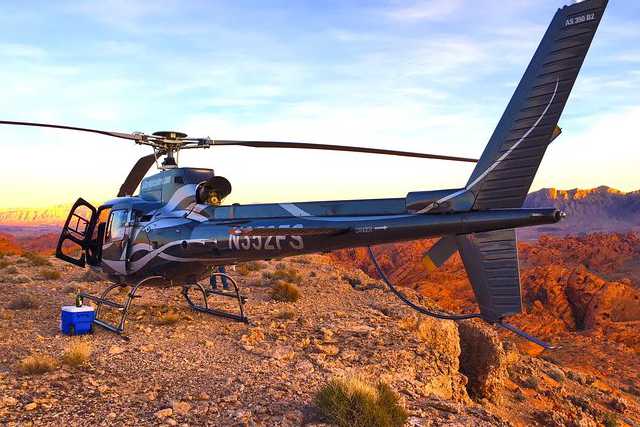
column 75, row 245
column 116, row 241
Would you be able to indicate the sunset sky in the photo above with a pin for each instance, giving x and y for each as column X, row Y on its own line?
column 431, row 76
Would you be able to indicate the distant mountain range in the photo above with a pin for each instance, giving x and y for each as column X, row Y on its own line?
column 51, row 215
column 601, row 209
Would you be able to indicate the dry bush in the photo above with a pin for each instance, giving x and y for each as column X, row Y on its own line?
column 36, row 259
column 37, row 364
column 301, row 260
column 12, row 269
column 286, row 314
column 281, row 266
column 6, row 315
column 285, row 275
column 352, row 402
column 17, row 278
column 4, row 263
column 531, row 382
column 168, row 318
column 90, row 276
column 245, row 268
column 77, row 353
column 49, row 274
column 610, row 420
column 354, row 282
column 24, row 302
column 284, row 291
column 556, row 374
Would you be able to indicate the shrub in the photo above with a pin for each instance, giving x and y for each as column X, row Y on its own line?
column 301, row 260
column 24, row 302
column 12, row 269
column 90, row 276
column 531, row 382
column 350, row 402
column 610, row 420
column 37, row 364
column 286, row 314
column 17, row 278
column 36, row 259
column 4, row 263
column 556, row 374
column 169, row 318
column 355, row 282
column 5, row 314
column 281, row 266
column 285, row 275
column 49, row 274
column 285, row 292
column 245, row 268
column 77, row 353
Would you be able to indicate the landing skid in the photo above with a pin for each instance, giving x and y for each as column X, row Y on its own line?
column 509, row 327
column 102, row 301
column 235, row 294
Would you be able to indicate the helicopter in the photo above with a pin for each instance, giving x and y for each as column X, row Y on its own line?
column 174, row 232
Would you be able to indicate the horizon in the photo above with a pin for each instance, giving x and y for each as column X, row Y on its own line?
column 430, row 76
column 97, row 203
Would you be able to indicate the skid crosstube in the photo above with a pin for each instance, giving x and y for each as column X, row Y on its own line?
column 103, row 301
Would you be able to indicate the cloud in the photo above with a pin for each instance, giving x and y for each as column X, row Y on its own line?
column 426, row 10
column 22, row 51
column 629, row 56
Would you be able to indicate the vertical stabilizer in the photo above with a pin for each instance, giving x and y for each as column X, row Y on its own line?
column 510, row 160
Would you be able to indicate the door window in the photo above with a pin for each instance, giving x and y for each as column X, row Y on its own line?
column 116, row 226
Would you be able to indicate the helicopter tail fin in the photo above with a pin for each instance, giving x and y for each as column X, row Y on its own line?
column 504, row 173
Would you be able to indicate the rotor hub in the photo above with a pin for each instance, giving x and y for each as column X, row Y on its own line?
column 169, row 134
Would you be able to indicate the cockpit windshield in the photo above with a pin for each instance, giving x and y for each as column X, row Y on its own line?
column 116, row 226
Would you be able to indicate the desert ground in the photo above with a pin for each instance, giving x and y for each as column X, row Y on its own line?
column 179, row 367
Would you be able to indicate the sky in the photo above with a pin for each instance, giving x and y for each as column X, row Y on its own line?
column 431, row 76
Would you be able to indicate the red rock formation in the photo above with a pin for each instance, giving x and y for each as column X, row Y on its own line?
column 8, row 245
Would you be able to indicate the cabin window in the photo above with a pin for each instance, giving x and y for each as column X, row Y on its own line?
column 116, row 226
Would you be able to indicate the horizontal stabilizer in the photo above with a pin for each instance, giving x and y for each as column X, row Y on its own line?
column 491, row 261
column 439, row 253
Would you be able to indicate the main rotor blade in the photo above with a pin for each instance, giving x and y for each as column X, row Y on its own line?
column 47, row 125
column 136, row 174
column 311, row 146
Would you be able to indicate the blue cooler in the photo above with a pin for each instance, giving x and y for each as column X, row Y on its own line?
column 77, row 320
